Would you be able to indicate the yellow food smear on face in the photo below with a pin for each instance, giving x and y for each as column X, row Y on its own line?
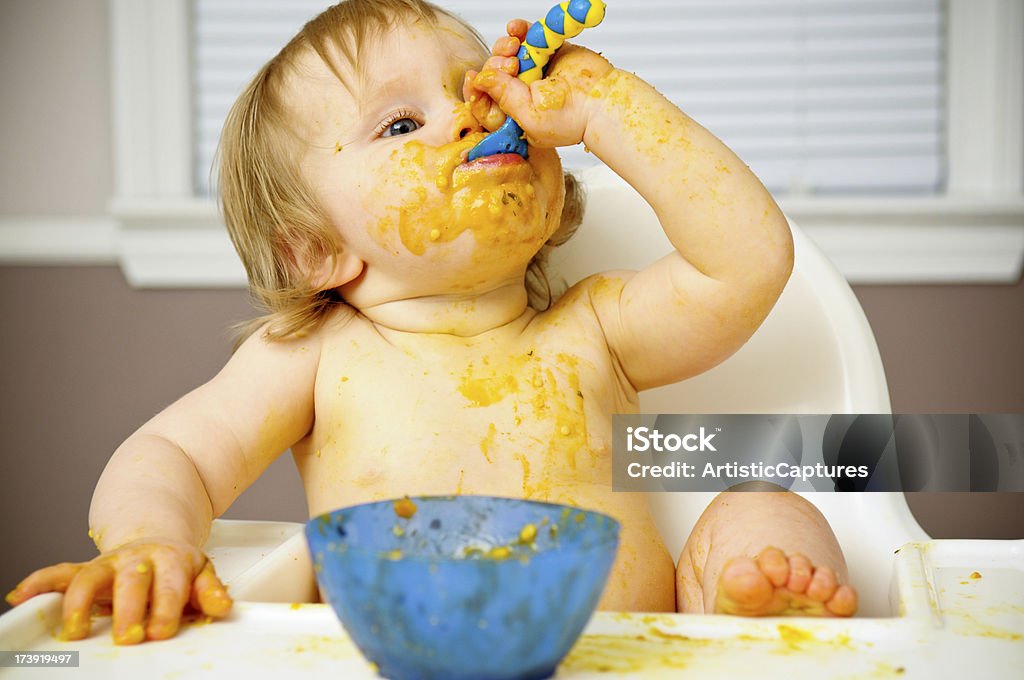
column 405, row 508
column 974, row 575
column 491, row 203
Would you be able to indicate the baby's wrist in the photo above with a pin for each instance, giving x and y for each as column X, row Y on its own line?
column 605, row 92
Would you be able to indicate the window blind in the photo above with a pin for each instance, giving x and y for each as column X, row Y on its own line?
column 817, row 96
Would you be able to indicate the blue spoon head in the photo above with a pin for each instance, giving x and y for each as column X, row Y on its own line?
column 509, row 138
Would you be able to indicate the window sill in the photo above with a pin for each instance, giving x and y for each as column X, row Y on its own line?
column 182, row 244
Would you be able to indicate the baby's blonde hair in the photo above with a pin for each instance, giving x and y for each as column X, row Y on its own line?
column 272, row 216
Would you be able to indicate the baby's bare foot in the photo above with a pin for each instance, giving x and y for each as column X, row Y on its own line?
column 774, row 584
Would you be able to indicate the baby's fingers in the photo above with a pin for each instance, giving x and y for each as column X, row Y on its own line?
column 171, row 588
column 47, row 580
column 81, row 592
column 507, row 46
column 509, row 65
column 517, row 28
column 481, row 105
column 209, row 595
column 131, row 597
column 511, row 94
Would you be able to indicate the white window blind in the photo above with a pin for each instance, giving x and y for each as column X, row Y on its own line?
column 817, row 96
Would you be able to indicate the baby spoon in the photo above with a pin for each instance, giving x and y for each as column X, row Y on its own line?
column 563, row 21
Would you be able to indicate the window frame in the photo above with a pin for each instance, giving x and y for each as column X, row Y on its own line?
column 974, row 233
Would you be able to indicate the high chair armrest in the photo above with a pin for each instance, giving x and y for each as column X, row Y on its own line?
column 262, row 561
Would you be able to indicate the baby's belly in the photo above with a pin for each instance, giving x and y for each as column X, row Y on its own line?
column 560, row 471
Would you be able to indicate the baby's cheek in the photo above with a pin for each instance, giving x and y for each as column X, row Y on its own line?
column 398, row 196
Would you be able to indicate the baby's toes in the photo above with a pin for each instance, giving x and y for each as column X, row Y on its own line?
column 743, row 587
column 774, row 565
column 843, row 602
column 823, row 584
column 800, row 572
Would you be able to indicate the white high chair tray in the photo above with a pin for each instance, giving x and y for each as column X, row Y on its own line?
column 949, row 625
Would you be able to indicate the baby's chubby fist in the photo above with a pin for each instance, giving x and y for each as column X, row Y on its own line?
column 553, row 111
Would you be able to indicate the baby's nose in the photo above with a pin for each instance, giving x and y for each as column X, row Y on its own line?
column 464, row 122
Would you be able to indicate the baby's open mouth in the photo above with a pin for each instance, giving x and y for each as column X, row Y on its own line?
column 495, row 161
column 453, row 170
column 487, row 170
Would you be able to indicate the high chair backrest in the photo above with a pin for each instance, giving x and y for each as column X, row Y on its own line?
column 815, row 353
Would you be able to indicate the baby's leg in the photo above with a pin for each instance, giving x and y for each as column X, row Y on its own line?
column 763, row 554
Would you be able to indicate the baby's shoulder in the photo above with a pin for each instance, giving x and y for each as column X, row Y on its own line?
column 588, row 295
column 307, row 341
column 582, row 308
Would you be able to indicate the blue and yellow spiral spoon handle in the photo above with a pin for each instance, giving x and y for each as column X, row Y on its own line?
column 563, row 21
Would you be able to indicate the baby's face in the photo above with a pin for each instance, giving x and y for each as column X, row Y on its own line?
column 386, row 163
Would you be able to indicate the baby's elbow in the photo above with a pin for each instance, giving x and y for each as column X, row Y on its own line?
column 784, row 260
column 777, row 263
column 763, row 286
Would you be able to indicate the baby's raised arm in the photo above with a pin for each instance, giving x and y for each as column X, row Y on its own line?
column 152, row 509
column 695, row 307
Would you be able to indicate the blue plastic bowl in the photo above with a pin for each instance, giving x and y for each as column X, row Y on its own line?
column 460, row 589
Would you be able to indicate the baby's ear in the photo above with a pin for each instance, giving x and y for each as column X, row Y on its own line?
column 336, row 269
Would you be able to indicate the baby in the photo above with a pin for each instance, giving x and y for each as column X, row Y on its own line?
column 413, row 347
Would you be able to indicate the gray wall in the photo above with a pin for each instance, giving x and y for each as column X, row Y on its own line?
column 85, row 359
column 55, row 154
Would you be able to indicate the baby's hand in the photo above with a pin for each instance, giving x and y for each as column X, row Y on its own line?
column 174, row 573
column 554, row 110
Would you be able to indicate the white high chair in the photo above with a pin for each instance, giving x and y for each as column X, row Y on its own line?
column 815, row 353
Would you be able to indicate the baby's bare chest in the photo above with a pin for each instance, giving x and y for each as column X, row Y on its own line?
column 522, row 409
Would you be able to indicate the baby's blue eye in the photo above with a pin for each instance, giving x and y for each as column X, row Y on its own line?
column 402, row 126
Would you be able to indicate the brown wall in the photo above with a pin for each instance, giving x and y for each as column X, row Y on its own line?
column 954, row 349
column 84, row 359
